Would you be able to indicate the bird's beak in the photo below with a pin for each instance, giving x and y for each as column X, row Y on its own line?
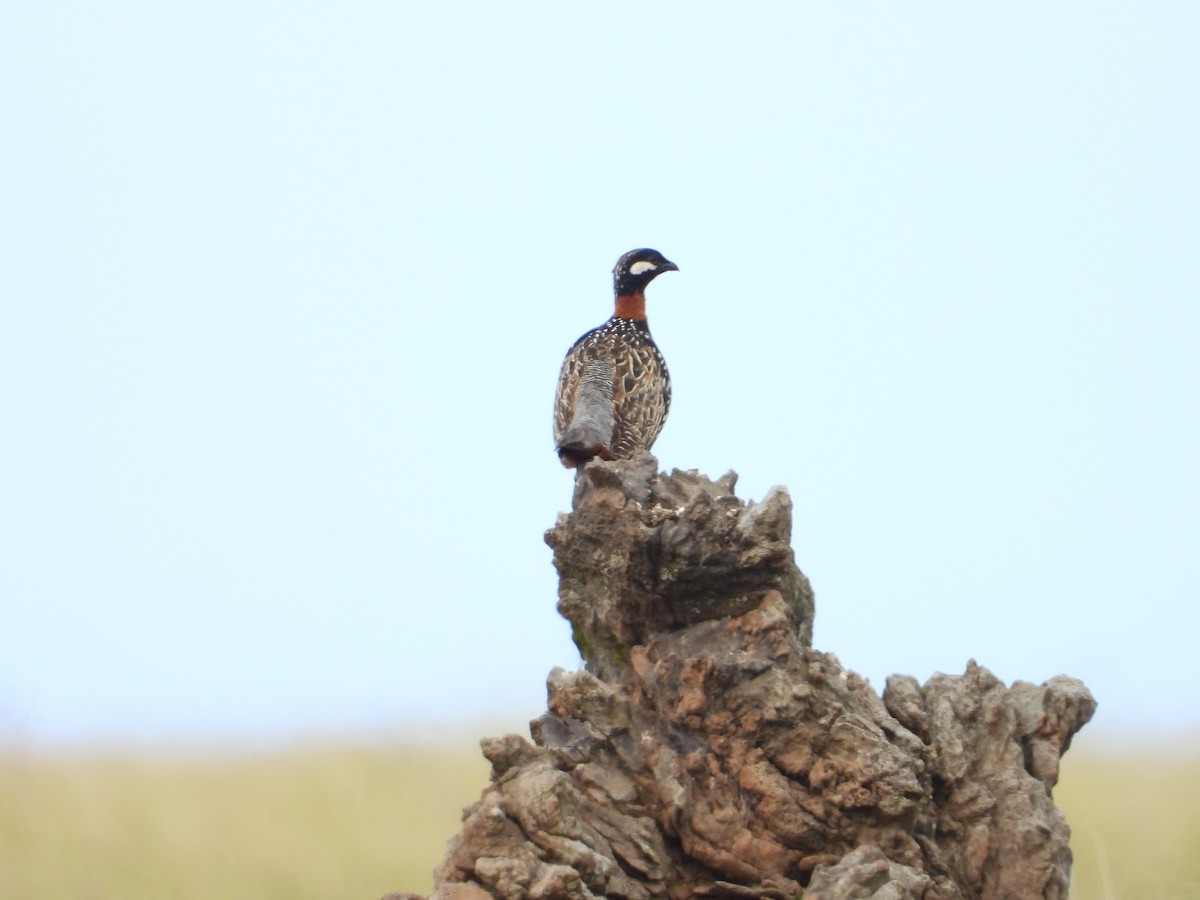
column 669, row 266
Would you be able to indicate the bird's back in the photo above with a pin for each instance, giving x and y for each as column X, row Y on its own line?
column 613, row 393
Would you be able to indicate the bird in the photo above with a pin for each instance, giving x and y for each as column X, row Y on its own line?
column 614, row 390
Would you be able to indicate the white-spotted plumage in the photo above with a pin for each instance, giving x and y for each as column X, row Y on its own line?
column 614, row 390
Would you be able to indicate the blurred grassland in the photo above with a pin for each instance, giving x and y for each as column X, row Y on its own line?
column 336, row 821
column 323, row 821
column 1135, row 820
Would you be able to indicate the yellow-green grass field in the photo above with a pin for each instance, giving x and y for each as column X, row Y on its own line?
column 1135, row 820
column 336, row 820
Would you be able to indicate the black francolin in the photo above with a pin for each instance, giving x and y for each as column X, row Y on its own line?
column 614, row 390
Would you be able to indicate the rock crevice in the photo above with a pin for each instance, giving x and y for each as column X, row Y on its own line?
column 707, row 750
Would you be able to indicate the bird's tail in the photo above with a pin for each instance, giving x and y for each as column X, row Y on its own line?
column 580, row 443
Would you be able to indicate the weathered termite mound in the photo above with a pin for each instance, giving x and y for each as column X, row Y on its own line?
column 709, row 751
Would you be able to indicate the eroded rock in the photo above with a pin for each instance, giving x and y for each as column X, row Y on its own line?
column 708, row 751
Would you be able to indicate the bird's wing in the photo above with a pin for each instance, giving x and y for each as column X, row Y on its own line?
column 642, row 396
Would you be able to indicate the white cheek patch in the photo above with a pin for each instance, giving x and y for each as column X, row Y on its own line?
column 639, row 267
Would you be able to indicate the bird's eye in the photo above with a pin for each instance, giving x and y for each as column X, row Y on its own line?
column 642, row 266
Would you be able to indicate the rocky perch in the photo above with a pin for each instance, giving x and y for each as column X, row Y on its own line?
column 708, row 751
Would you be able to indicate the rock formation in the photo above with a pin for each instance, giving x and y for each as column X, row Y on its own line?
column 708, row 751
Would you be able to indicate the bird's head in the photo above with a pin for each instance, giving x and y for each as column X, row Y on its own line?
column 638, row 268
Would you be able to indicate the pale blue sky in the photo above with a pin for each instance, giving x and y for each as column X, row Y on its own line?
column 284, row 290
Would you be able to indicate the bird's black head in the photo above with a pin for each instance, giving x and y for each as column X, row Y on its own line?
column 637, row 268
